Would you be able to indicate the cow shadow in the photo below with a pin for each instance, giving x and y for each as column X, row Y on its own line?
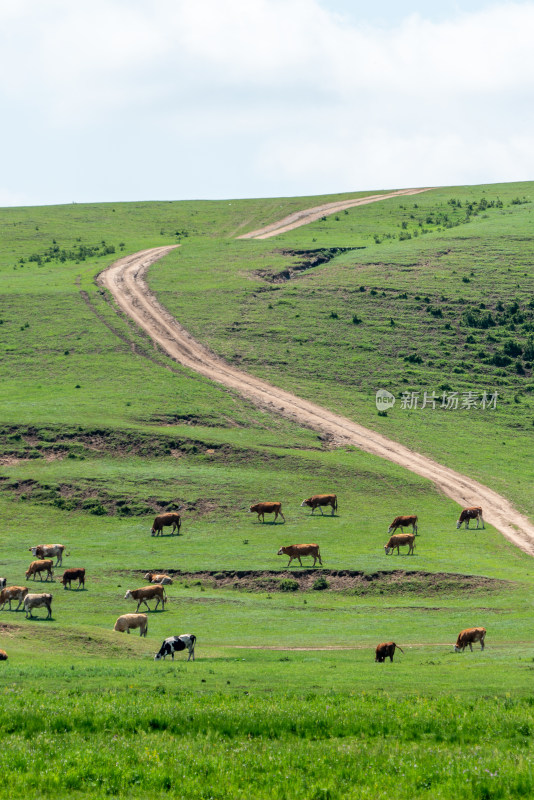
column 166, row 535
column 324, row 516
column 41, row 619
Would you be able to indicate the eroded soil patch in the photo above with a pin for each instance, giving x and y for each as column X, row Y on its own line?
column 308, row 259
column 348, row 581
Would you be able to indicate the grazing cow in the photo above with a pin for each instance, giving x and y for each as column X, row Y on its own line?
column 32, row 601
column 131, row 621
column 73, row 575
column 148, row 593
column 3, row 655
column 299, row 551
column 13, row 593
column 403, row 522
column 470, row 513
column 469, row 636
column 158, row 577
column 386, row 649
column 170, row 518
column 38, row 567
column 49, row 551
column 400, row 540
column 174, row 644
column 319, row 500
column 3, row 583
column 267, row 508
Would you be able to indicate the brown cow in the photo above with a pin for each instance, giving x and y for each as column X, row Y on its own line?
column 475, row 512
column 170, row 518
column 403, row 522
column 38, row 567
column 156, row 591
column 13, row 593
column 73, row 575
column 301, row 550
column 319, row 500
column 386, row 649
column 469, row 636
column 267, row 508
column 3, row 655
column 400, row 540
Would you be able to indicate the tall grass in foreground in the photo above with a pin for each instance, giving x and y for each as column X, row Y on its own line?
column 122, row 744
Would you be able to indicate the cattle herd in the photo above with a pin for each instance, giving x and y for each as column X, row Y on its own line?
column 45, row 554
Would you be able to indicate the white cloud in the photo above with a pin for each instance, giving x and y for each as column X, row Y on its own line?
column 286, row 90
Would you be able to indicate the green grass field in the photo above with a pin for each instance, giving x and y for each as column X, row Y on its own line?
column 100, row 431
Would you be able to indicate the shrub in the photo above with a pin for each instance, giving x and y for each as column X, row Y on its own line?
column 288, row 585
column 320, row 584
column 512, row 348
column 356, row 319
column 334, row 315
column 500, row 360
column 529, row 349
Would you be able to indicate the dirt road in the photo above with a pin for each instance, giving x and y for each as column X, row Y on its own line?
column 125, row 280
column 312, row 214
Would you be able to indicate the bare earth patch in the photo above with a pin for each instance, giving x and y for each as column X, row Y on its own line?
column 350, row 581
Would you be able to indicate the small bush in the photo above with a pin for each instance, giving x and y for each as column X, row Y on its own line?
column 320, row 584
column 334, row 315
column 288, row 585
column 356, row 320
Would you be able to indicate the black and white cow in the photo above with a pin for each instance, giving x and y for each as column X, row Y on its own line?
column 174, row 644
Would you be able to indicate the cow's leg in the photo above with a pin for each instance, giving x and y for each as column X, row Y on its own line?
column 282, row 516
column 313, row 509
column 482, row 643
column 319, row 557
column 290, row 560
column 333, row 509
column 300, row 562
column 471, row 646
column 321, row 510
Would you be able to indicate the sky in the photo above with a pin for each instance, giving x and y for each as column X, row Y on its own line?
column 110, row 100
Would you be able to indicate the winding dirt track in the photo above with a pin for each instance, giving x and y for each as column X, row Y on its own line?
column 125, row 281
column 313, row 214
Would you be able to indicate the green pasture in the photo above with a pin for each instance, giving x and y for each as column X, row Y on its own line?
column 99, row 431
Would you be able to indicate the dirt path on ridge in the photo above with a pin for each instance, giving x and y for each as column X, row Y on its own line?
column 308, row 215
column 125, row 280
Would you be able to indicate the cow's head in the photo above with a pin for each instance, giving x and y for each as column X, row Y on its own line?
column 158, row 656
column 128, row 594
column 281, row 551
column 458, row 523
column 387, row 549
column 305, row 503
column 456, row 648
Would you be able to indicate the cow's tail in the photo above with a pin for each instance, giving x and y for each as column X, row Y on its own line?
column 399, row 648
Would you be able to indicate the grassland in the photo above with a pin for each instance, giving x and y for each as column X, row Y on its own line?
column 100, row 431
